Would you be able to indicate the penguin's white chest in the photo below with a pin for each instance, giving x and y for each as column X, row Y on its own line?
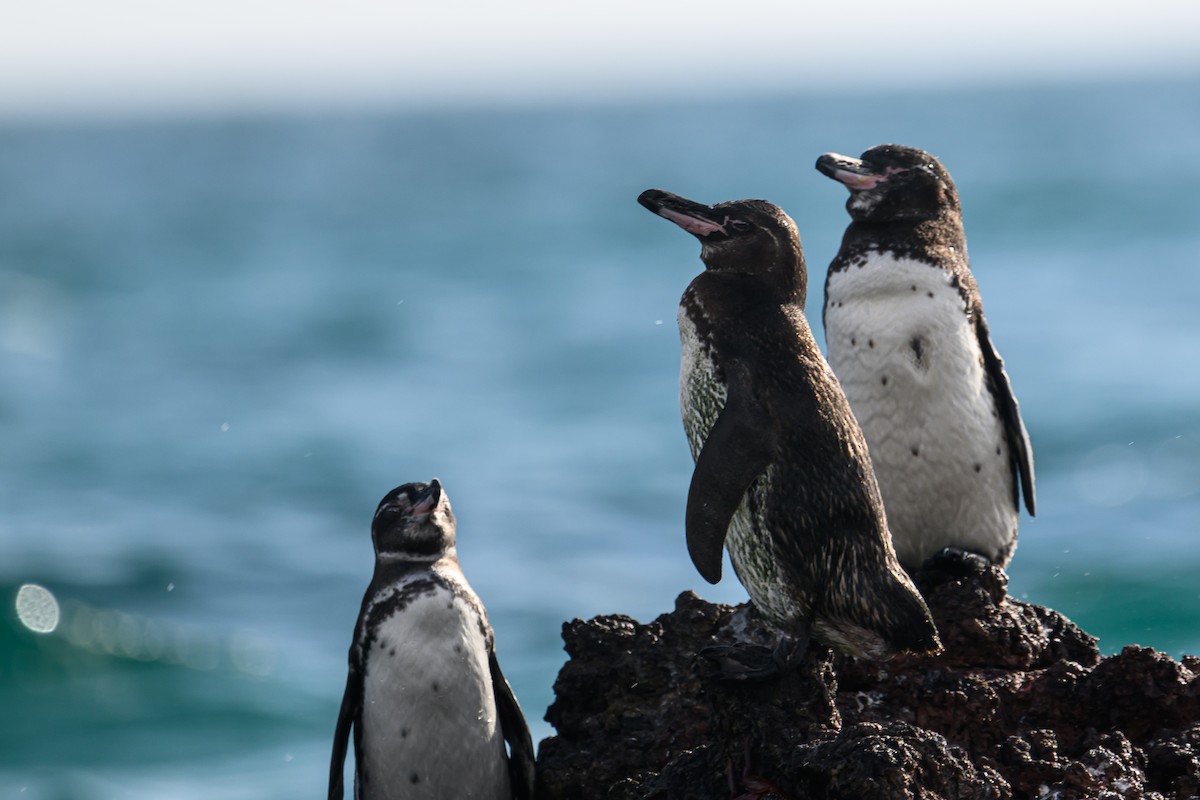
column 909, row 361
column 702, row 397
column 701, row 392
column 429, row 723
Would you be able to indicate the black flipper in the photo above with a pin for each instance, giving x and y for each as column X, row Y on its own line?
column 738, row 448
column 516, row 733
column 1019, row 448
column 351, row 708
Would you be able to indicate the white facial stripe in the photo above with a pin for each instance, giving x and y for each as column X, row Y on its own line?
column 401, row 503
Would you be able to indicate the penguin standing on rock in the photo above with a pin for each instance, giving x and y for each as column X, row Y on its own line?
column 907, row 339
column 782, row 473
column 430, row 709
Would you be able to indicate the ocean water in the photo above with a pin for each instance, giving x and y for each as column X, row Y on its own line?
column 222, row 340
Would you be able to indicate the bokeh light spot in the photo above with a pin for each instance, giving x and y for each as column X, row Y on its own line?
column 36, row 608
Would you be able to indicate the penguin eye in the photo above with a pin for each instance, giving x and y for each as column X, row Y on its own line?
column 741, row 226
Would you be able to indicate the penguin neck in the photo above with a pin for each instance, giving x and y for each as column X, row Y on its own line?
column 785, row 287
column 390, row 558
column 940, row 230
column 776, row 265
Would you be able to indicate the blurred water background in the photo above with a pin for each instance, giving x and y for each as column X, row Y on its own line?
column 224, row 338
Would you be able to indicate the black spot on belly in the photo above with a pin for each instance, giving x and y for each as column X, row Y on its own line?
column 929, row 293
column 853, row 342
column 404, row 733
column 918, row 348
column 978, row 467
column 870, row 342
column 916, row 450
column 414, row 778
column 997, row 449
column 435, row 686
column 914, row 287
column 392, row 652
column 883, row 380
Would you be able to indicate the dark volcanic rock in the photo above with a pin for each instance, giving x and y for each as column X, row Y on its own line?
column 1019, row 705
column 630, row 701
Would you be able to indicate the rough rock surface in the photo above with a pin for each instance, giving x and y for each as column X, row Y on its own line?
column 1020, row 705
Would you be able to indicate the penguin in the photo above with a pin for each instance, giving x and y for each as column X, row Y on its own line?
column 430, row 709
column 782, row 475
column 907, row 338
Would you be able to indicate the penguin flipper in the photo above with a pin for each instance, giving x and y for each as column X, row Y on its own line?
column 738, row 448
column 1021, row 452
column 516, row 733
column 351, row 700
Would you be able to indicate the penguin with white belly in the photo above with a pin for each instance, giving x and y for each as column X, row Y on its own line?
column 429, row 707
column 908, row 341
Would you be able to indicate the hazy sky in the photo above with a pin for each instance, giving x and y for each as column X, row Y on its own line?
column 128, row 54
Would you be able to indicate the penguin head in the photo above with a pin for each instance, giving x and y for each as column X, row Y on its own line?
column 747, row 237
column 414, row 521
column 892, row 182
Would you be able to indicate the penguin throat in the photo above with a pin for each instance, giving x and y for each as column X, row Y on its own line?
column 398, row 556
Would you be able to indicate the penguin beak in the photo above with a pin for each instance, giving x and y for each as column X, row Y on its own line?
column 428, row 500
column 695, row 218
column 850, row 172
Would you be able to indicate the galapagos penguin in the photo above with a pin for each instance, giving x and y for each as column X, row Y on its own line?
column 430, row 709
column 908, row 341
column 782, row 474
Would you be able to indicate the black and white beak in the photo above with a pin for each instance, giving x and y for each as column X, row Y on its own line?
column 849, row 171
column 700, row 220
column 428, row 500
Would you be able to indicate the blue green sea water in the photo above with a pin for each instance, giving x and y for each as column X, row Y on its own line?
column 224, row 338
